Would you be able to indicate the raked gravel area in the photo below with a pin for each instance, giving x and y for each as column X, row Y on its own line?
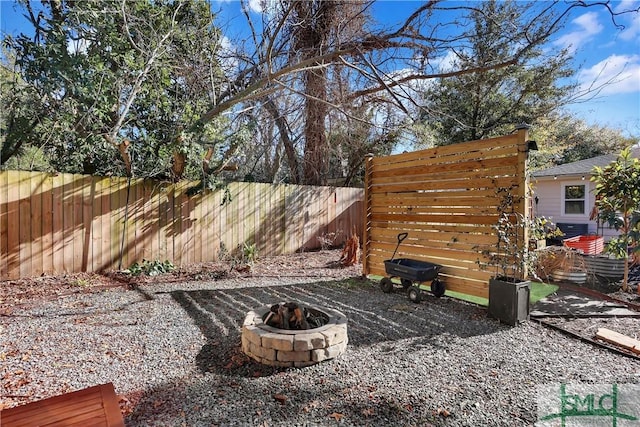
column 172, row 350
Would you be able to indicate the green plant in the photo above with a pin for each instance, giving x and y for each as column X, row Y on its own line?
column 618, row 202
column 541, row 228
column 509, row 255
column 249, row 253
column 150, row 268
column 81, row 283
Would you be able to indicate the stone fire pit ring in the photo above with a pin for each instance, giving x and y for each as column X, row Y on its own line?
column 294, row 348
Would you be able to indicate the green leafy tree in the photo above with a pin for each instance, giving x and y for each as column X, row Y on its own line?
column 128, row 80
column 119, row 84
column 563, row 138
column 618, row 202
column 490, row 101
column 21, row 110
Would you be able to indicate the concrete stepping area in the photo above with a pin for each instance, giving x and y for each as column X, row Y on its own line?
column 568, row 303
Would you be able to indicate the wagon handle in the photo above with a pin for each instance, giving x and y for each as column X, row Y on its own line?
column 401, row 237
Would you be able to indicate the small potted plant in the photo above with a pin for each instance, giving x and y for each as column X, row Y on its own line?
column 508, row 289
column 540, row 229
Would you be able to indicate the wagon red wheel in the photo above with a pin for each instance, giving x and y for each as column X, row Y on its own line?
column 438, row 288
column 386, row 285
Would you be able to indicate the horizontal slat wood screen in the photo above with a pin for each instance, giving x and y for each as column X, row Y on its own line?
column 445, row 198
column 64, row 223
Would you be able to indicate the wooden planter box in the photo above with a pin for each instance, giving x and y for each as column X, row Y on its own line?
column 589, row 245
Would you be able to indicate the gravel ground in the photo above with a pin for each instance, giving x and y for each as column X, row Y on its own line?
column 172, row 352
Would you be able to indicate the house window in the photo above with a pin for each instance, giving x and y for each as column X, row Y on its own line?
column 574, row 199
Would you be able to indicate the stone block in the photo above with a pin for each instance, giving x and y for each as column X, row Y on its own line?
column 310, row 341
column 266, row 353
column 277, row 341
column 328, row 353
column 245, row 344
column 294, row 356
column 250, row 319
column 252, row 334
column 335, row 335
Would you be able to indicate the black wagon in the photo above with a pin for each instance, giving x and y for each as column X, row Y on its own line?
column 412, row 273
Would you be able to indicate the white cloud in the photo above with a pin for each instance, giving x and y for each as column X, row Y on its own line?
column 262, row 6
column 226, row 55
column 616, row 74
column 631, row 27
column 256, row 6
column 623, row 5
column 588, row 27
column 446, row 63
column 77, row 46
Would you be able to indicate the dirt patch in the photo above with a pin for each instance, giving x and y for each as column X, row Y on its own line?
column 308, row 264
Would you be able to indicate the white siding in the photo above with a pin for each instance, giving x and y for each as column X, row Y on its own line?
column 550, row 194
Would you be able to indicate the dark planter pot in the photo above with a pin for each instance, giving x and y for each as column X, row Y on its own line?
column 509, row 301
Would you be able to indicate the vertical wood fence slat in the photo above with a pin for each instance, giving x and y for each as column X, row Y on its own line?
column 134, row 233
column 96, row 226
column 150, row 222
column 206, row 245
column 197, row 228
column 194, row 226
column 186, row 230
column 119, row 219
column 25, row 222
column 36, row 195
column 13, row 225
column 88, row 195
column 4, row 245
column 65, row 223
column 57, row 193
column 78, row 222
column 109, row 239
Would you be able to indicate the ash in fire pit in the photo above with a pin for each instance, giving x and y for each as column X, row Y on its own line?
column 294, row 317
column 288, row 335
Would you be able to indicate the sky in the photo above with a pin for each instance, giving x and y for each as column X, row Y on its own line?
column 603, row 51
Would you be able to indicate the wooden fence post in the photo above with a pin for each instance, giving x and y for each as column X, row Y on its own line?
column 366, row 211
column 523, row 195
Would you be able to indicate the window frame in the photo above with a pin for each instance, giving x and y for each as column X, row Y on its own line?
column 584, row 200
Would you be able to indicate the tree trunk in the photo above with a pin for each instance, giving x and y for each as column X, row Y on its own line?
column 283, row 130
column 316, row 153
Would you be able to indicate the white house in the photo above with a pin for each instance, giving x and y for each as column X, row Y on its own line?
column 565, row 195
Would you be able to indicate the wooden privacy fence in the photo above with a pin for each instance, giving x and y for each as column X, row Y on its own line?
column 445, row 198
column 52, row 224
